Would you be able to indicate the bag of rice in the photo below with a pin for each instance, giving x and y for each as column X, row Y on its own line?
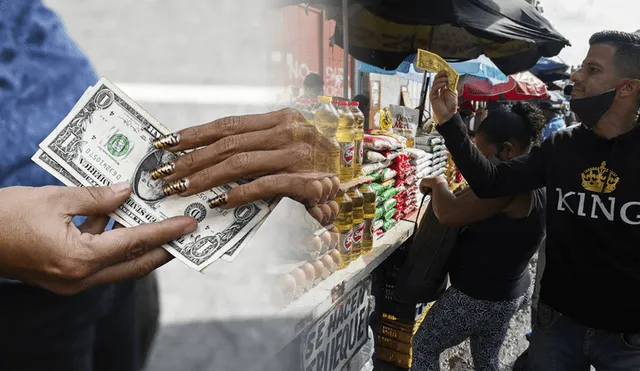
column 373, row 157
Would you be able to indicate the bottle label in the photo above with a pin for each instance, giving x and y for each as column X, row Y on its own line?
column 347, row 151
column 360, row 151
column 358, row 234
column 346, row 241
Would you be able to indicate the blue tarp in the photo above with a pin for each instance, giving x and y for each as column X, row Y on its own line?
column 546, row 65
column 404, row 67
column 481, row 67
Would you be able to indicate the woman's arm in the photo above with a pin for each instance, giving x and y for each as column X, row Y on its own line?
column 467, row 208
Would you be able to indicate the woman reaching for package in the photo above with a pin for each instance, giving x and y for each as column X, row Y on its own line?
column 488, row 268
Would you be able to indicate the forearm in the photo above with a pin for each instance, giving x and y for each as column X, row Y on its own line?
column 442, row 200
column 486, row 179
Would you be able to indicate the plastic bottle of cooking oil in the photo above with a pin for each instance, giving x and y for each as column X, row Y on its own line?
column 303, row 106
column 344, row 223
column 327, row 120
column 358, row 222
column 346, row 138
column 354, row 107
column 369, row 209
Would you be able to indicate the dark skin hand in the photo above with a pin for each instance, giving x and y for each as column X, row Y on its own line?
column 281, row 150
column 40, row 245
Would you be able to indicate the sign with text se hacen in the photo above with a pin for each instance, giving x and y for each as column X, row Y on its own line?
column 331, row 342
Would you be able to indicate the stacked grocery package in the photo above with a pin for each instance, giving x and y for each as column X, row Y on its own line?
column 406, row 185
column 435, row 161
column 380, row 152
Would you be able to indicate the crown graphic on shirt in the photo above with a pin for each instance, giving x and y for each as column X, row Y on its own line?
column 594, row 179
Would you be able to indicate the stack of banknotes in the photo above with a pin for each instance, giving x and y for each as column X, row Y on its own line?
column 107, row 138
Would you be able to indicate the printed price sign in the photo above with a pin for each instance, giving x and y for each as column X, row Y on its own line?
column 331, row 342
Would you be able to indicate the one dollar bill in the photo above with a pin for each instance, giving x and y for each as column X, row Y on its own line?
column 107, row 139
column 434, row 63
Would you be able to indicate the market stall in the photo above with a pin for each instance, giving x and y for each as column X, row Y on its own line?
column 323, row 316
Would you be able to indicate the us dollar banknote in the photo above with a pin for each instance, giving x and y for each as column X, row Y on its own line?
column 107, row 139
column 434, row 63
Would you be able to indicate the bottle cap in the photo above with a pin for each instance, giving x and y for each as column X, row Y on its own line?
column 325, row 99
column 342, row 103
column 355, row 104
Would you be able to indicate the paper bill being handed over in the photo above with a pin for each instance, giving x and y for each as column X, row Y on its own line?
column 434, row 63
column 106, row 139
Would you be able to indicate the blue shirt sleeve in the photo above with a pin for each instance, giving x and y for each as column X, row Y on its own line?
column 43, row 74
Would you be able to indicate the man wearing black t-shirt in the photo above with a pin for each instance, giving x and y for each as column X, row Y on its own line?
column 589, row 311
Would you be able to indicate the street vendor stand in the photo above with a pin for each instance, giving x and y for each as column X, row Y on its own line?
column 322, row 321
column 324, row 328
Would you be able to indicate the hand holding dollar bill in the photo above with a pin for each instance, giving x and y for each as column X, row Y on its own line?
column 106, row 139
column 434, row 63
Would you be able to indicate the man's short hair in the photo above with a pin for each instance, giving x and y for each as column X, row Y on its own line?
column 627, row 51
column 313, row 81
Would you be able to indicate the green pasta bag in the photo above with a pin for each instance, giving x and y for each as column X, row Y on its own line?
column 379, row 212
column 377, row 188
column 389, row 224
column 389, row 204
column 390, row 214
column 389, row 193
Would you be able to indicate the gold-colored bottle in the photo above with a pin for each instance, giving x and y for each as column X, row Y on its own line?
column 354, row 107
column 358, row 222
column 327, row 120
column 369, row 215
column 344, row 224
column 346, row 138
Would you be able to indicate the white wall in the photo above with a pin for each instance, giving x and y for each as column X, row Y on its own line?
column 390, row 89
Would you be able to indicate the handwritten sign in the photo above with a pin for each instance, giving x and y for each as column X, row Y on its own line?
column 331, row 342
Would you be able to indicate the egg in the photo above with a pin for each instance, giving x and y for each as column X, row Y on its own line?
column 335, row 236
column 327, row 214
column 284, row 290
column 315, row 245
column 335, row 255
column 335, row 188
column 326, row 238
column 309, row 271
column 335, row 209
column 327, row 188
column 316, row 213
column 321, row 271
column 328, row 262
column 287, row 284
column 299, row 276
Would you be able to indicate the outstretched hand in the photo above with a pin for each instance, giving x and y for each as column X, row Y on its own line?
column 281, row 150
column 40, row 245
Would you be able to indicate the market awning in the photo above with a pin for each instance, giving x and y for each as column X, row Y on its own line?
column 512, row 33
column 404, row 67
column 481, row 67
column 521, row 86
column 549, row 70
column 547, row 65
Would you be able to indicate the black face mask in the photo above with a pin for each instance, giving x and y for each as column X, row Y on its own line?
column 590, row 110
